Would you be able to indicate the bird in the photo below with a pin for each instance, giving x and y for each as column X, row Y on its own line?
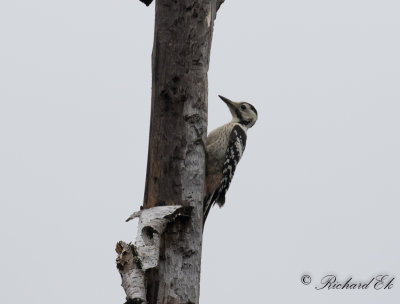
column 224, row 149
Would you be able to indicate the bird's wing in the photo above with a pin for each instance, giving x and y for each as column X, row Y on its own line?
column 234, row 151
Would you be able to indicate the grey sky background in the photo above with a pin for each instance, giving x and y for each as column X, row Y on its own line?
column 316, row 192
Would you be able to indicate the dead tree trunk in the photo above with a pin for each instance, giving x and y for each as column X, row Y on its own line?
column 165, row 261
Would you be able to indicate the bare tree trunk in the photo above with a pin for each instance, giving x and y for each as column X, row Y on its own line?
column 176, row 159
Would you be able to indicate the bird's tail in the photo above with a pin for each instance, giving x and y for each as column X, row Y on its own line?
column 210, row 200
column 207, row 204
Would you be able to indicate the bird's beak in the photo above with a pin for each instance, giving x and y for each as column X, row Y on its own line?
column 228, row 102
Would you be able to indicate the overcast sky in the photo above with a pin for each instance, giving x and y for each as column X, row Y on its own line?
column 317, row 191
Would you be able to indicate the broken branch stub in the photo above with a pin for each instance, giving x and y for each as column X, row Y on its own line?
column 134, row 260
column 131, row 273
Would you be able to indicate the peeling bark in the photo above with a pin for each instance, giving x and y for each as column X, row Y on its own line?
column 152, row 224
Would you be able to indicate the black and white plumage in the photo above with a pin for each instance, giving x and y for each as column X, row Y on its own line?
column 224, row 149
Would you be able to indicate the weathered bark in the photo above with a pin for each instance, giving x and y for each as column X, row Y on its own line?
column 178, row 130
column 176, row 157
column 178, row 127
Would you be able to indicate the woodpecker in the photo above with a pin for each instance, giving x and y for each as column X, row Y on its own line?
column 224, row 148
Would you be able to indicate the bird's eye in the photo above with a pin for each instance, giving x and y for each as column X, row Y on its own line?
column 243, row 107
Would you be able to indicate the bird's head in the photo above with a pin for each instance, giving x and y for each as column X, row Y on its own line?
column 242, row 112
